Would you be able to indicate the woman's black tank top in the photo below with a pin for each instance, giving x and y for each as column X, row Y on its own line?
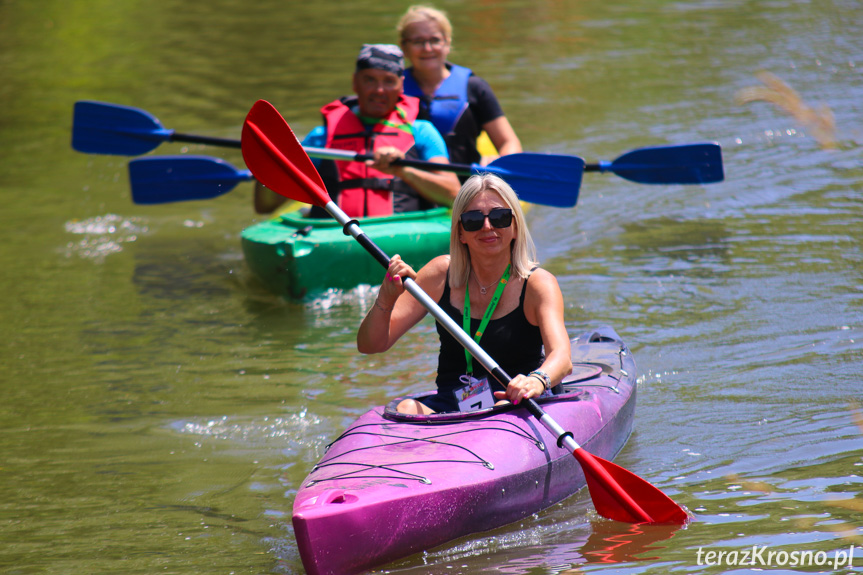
column 511, row 341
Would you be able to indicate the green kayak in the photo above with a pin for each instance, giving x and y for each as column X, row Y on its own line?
column 296, row 257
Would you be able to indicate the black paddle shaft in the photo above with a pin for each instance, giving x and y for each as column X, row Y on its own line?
column 206, row 140
column 369, row 245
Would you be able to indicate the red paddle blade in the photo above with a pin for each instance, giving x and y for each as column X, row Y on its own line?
column 277, row 159
column 623, row 496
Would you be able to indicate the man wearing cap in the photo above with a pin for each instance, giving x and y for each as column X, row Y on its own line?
column 381, row 121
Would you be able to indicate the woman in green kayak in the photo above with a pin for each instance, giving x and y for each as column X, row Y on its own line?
column 491, row 284
column 460, row 104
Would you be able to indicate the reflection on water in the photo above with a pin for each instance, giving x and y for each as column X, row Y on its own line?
column 613, row 543
column 547, row 543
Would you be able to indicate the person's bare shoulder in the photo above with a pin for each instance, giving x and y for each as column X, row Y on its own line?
column 542, row 284
column 439, row 263
column 433, row 275
column 543, row 277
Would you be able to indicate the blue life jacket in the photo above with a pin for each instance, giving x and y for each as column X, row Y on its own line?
column 449, row 101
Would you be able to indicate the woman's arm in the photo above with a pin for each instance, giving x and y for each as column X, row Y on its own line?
column 503, row 136
column 396, row 311
column 546, row 306
column 489, row 115
column 543, row 306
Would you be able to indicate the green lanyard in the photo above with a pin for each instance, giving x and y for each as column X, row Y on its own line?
column 405, row 126
column 485, row 318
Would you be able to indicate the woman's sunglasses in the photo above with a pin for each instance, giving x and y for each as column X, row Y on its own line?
column 473, row 220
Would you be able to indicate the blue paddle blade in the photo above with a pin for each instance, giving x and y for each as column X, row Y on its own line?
column 163, row 179
column 683, row 164
column 547, row 179
column 100, row 128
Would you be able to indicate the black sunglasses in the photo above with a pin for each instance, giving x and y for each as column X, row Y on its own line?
column 473, row 220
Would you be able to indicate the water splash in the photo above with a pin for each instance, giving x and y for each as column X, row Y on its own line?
column 102, row 235
column 299, row 428
column 333, row 298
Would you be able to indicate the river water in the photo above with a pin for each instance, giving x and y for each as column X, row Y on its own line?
column 159, row 408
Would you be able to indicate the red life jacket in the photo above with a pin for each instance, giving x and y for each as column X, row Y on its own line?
column 363, row 191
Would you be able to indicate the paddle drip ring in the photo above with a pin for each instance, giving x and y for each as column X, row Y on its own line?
column 347, row 225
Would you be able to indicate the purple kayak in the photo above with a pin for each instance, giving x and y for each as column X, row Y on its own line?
column 392, row 484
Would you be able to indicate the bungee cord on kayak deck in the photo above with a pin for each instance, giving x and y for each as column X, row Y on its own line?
column 405, row 440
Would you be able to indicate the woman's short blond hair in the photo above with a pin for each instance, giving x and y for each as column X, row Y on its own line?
column 420, row 13
column 523, row 250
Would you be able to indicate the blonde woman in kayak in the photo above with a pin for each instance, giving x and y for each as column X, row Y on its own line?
column 460, row 104
column 491, row 277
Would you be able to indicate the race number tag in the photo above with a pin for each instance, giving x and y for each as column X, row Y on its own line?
column 476, row 394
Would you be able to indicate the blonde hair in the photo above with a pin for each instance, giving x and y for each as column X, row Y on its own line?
column 522, row 250
column 420, row 13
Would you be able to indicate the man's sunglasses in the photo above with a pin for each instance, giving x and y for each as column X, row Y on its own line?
column 473, row 220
